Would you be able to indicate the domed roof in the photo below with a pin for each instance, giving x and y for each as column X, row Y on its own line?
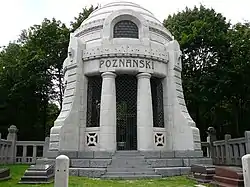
column 104, row 11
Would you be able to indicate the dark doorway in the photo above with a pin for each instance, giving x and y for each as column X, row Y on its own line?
column 126, row 109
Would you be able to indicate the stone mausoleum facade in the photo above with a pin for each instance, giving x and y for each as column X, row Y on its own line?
column 123, row 86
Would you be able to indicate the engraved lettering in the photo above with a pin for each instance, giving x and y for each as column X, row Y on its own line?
column 114, row 63
column 108, row 63
column 142, row 64
column 121, row 61
column 148, row 64
column 101, row 63
column 135, row 62
column 128, row 62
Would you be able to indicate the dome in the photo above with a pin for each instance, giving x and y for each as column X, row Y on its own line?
column 104, row 11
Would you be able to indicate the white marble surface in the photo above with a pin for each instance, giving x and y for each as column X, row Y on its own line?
column 93, row 42
column 246, row 169
column 145, row 135
column 62, row 171
column 108, row 113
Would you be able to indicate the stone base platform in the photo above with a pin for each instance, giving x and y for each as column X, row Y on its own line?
column 202, row 173
column 4, row 174
column 228, row 177
column 130, row 164
column 38, row 174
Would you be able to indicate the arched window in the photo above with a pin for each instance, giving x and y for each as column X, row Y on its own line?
column 126, row 29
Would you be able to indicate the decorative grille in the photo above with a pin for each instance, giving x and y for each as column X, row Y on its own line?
column 159, row 139
column 125, row 29
column 126, row 108
column 93, row 101
column 92, row 139
column 157, row 102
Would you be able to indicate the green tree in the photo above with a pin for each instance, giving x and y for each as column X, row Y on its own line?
column 236, row 80
column 202, row 34
column 31, row 77
column 81, row 17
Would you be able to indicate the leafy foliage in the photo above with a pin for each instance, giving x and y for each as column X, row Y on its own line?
column 216, row 72
column 81, row 17
column 31, row 77
column 213, row 66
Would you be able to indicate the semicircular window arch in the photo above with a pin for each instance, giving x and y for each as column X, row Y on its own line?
column 125, row 29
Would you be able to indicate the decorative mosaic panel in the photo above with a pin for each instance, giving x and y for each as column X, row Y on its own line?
column 159, row 139
column 92, row 139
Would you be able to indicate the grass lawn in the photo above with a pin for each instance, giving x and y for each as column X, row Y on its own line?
column 17, row 172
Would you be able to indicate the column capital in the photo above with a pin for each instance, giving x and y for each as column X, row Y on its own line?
column 108, row 74
column 143, row 75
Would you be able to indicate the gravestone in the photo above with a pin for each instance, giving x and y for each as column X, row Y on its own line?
column 203, row 173
column 62, row 171
column 4, row 174
column 228, row 176
column 38, row 174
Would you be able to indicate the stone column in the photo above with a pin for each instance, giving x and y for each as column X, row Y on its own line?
column 12, row 136
column 144, row 113
column 24, row 154
column 34, row 155
column 108, row 113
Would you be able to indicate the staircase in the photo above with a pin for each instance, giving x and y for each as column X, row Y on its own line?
column 129, row 165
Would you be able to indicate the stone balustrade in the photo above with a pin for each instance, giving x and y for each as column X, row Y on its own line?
column 25, row 156
column 228, row 151
column 20, row 152
column 5, row 147
column 223, row 152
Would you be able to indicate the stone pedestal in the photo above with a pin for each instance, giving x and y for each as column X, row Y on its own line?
column 246, row 169
column 203, row 173
column 4, row 174
column 228, row 176
column 108, row 113
column 144, row 113
column 38, row 174
column 62, row 171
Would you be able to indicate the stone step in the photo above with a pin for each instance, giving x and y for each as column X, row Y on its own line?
column 87, row 172
column 132, row 162
column 128, row 177
column 128, row 157
column 165, row 162
column 173, row 171
column 215, row 183
column 92, row 163
column 229, row 181
column 129, row 166
column 36, row 179
column 127, row 153
column 131, row 173
column 130, row 170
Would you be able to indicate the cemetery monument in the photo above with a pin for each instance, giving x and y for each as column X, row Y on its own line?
column 123, row 92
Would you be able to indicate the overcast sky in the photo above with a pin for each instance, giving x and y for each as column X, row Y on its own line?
column 16, row 15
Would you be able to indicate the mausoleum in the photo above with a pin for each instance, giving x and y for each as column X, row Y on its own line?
column 124, row 113
column 123, row 86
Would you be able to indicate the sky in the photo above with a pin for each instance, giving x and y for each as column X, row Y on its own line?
column 16, row 15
